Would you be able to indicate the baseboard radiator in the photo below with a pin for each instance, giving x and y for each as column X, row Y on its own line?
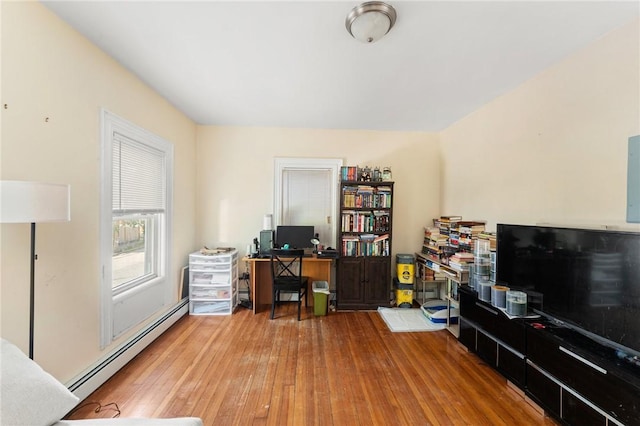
column 83, row 385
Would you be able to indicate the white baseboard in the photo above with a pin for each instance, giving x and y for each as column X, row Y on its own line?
column 91, row 379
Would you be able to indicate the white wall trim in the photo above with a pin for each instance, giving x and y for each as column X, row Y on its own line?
column 92, row 378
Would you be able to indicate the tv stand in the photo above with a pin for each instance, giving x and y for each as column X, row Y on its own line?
column 578, row 379
column 574, row 378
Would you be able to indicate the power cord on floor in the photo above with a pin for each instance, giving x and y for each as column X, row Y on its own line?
column 112, row 406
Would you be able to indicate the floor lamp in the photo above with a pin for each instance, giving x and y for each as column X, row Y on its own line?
column 33, row 202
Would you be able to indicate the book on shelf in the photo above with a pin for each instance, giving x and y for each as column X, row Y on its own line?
column 459, row 266
column 473, row 229
column 349, row 173
column 366, row 196
column 435, row 251
column 364, row 247
column 461, row 222
column 433, row 237
column 463, row 256
column 491, row 237
column 381, row 237
column 461, row 261
column 450, row 218
column 364, row 221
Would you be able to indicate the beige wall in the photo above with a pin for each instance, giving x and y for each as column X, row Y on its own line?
column 54, row 83
column 235, row 176
column 554, row 149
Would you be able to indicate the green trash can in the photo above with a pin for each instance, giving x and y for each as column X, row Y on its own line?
column 320, row 297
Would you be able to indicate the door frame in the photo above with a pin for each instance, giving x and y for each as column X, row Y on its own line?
column 333, row 165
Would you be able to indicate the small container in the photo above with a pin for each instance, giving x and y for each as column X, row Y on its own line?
column 404, row 266
column 484, row 290
column 404, row 294
column 386, row 174
column 377, row 175
column 320, row 297
column 516, row 303
column 499, row 296
column 481, row 247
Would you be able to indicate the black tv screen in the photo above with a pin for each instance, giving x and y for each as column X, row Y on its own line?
column 587, row 278
column 297, row 237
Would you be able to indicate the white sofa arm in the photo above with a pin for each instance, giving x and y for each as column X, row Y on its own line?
column 122, row 421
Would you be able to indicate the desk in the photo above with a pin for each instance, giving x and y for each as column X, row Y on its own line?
column 317, row 269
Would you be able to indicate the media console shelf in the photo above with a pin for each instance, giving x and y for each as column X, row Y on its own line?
column 490, row 334
column 578, row 379
column 573, row 378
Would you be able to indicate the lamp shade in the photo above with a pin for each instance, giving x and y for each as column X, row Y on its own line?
column 370, row 21
column 34, row 202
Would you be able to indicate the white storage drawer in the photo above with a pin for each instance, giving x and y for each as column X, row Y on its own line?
column 225, row 258
column 216, row 267
column 209, row 307
column 210, row 292
column 213, row 283
column 202, row 277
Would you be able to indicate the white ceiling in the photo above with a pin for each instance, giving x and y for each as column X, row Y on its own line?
column 293, row 64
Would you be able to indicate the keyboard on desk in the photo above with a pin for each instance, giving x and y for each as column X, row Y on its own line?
column 268, row 256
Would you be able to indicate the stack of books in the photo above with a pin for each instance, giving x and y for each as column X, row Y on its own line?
column 365, row 245
column 449, row 235
column 383, row 197
column 467, row 232
column 491, row 236
column 434, row 243
column 349, row 173
column 461, row 261
column 349, row 196
column 366, row 196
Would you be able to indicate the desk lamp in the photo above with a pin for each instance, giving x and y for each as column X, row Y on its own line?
column 316, row 242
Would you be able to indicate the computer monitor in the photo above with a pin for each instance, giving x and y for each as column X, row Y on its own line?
column 298, row 237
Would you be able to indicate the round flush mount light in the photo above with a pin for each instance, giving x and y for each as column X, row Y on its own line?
column 370, row 21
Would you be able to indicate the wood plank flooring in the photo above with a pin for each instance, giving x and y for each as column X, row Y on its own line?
column 346, row 368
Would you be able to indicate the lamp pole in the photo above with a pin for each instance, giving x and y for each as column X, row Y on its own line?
column 32, row 286
column 33, row 202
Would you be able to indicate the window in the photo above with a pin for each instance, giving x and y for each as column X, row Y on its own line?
column 136, row 216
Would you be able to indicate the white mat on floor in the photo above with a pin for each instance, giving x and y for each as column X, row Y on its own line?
column 399, row 319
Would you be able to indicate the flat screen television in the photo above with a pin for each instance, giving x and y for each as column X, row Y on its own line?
column 298, row 237
column 588, row 279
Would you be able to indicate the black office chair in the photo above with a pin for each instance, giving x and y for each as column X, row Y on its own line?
column 286, row 276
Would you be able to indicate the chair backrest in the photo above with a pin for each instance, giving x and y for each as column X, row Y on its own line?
column 286, row 265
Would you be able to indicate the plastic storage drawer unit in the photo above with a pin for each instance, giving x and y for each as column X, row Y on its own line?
column 213, row 283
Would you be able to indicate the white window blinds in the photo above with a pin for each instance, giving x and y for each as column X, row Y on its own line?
column 138, row 177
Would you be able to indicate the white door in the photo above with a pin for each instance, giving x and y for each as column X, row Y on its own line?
column 306, row 193
column 306, row 200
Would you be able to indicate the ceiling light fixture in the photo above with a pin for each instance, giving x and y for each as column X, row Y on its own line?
column 370, row 21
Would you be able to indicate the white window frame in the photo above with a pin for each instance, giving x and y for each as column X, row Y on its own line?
column 281, row 164
column 125, row 307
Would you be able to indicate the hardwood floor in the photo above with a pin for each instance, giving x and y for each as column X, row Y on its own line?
column 346, row 368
